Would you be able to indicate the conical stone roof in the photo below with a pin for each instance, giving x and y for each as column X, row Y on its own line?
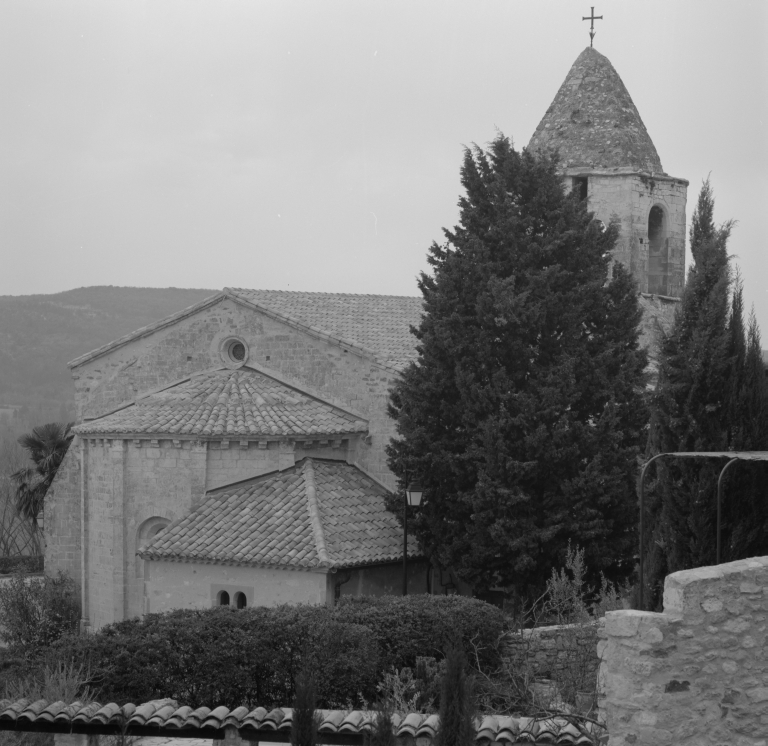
column 593, row 122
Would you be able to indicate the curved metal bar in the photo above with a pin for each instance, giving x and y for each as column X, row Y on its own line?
column 641, row 499
column 719, row 500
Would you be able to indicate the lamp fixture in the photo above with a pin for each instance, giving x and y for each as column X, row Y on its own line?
column 415, row 492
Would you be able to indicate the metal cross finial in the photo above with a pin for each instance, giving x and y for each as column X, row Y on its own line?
column 592, row 18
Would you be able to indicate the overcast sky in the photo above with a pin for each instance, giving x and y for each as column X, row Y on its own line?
column 316, row 145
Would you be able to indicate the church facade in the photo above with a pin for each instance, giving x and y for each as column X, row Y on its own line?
column 235, row 452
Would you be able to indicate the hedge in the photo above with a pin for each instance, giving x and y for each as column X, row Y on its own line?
column 252, row 657
column 409, row 627
column 223, row 656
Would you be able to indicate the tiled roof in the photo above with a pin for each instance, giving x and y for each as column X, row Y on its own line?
column 378, row 323
column 593, row 121
column 315, row 514
column 226, row 402
column 165, row 718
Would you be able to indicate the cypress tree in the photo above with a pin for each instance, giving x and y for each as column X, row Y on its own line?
column 456, row 707
column 711, row 396
column 523, row 415
column 305, row 722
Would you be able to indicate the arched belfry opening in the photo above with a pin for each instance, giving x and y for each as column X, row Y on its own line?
column 658, row 251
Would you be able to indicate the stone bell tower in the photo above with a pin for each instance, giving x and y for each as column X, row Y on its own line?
column 607, row 156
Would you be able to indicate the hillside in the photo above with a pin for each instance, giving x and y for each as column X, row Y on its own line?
column 39, row 334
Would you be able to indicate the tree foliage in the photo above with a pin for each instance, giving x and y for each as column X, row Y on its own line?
column 711, row 396
column 523, row 414
column 46, row 445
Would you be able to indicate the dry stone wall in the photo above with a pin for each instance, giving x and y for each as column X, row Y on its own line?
column 696, row 674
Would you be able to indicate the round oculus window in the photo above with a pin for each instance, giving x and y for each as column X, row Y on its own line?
column 234, row 352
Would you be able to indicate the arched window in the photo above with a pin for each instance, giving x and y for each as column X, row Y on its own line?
column 240, row 600
column 223, row 598
column 658, row 251
column 147, row 531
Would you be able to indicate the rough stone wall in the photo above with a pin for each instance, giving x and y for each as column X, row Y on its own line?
column 550, row 651
column 61, row 517
column 629, row 198
column 105, row 531
column 193, row 344
column 697, row 673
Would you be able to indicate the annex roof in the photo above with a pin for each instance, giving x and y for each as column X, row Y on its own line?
column 225, row 402
column 315, row 514
column 593, row 121
column 164, row 718
column 374, row 325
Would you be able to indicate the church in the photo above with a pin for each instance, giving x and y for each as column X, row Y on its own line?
column 235, row 452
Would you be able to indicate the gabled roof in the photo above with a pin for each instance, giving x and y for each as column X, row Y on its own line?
column 225, row 402
column 593, row 121
column 377, row 326
column 316, row 514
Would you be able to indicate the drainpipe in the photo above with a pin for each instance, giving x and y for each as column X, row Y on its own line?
column 344, row 578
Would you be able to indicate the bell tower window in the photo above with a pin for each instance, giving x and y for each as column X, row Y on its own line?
column 658, row 251
column 580, row 185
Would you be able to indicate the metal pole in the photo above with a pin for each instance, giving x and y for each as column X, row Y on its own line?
column 719, row 500
column 405, row 544
column 641, row 494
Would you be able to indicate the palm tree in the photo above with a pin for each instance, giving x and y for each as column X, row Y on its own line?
column 47, row 445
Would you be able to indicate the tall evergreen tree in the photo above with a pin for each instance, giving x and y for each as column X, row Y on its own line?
column 523, row 414
column 711, row 396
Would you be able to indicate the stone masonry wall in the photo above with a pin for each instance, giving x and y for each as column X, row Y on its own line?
column 628, row 198
column 61, row 517
column 696, row 674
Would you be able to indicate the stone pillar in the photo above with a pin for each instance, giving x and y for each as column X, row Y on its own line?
column 198, row 473
column 696, row 674
column 120, row 550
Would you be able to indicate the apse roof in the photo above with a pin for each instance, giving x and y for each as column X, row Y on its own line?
column 593, row 121
column 221, row 403
column 314, row 514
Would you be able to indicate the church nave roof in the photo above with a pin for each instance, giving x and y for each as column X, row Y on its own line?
column 378, row 323
column 315, row 514
column 227, row 402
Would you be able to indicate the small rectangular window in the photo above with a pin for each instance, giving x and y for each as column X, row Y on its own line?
column 580, row 185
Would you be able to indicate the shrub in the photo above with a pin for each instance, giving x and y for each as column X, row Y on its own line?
column 36, row 611
column 223, row 656
column 407, row 628
column 382, row 733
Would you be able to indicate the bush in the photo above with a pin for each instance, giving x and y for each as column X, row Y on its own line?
column 223, row 656
column 36, row 611
column 407, row 628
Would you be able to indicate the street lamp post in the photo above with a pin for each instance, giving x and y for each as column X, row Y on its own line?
column 412, row 497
